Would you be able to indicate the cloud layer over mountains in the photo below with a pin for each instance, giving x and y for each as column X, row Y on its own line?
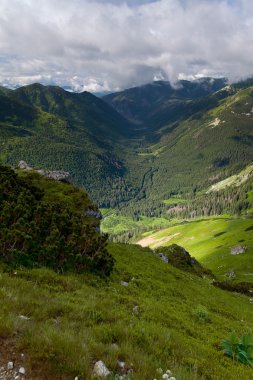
column 100, row 45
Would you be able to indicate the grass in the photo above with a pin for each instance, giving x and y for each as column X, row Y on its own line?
column 77, row 320
column 210, row 241
column 114, row 223
column 235, row 180
column 174, row 201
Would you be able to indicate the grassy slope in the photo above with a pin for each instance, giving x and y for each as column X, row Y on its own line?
column 75, row 320
column 210, row 241
column 114, row 223
column 235, row 180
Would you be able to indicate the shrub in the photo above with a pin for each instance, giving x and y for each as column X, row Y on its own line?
column 201, row 314
column 36, row 230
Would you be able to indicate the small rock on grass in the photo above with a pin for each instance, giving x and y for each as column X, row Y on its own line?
column 21, row 370
column 10, row 366
column 100, row 369
column 121, row 364
column 24, row 318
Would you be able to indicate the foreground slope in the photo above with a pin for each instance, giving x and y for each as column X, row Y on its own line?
column 155, row 321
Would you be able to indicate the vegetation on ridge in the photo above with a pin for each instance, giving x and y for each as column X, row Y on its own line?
column 44, row 223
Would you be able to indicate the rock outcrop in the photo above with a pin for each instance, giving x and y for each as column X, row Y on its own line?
column 57, row 175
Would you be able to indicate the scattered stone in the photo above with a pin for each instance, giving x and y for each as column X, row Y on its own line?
column 230, row 274
column 115, row 346
column 100, row 369
column 21, row 370
column 124, row 283
column 238, row 249
column 24, row 318
column 136, row 310
column 10, row 366
column 76, row 378
column 121, row 365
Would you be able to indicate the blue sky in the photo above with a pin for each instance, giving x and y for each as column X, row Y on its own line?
column 107, row 45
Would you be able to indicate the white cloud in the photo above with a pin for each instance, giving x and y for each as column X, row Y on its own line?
column 106, row 45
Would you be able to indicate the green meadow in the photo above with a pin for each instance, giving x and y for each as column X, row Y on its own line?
column 210, row 241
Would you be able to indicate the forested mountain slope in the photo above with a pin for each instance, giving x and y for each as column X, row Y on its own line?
column 182, row 140
column 154, row 104
column 54, row 129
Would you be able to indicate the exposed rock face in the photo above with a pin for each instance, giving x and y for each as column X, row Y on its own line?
column 23, row 165
column 238, row 249
column 163, row 257
column 93, row 213
column 57, row 175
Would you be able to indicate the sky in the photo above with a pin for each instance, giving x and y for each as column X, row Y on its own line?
column 108, row 45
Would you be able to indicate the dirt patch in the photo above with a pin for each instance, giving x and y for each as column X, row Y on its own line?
column 151, row 240
column 214, row 123
column 146, row 241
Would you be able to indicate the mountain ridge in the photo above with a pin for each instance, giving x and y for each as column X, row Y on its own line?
column 179, row 150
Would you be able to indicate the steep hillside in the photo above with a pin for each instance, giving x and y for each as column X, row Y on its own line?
column 185, row 151
column 154, row 104
column 148, row 315
column 78, row 109
column 210, row 145
column 53, row 129
column 48, row 223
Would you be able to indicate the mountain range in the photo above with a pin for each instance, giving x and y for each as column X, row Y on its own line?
column 141, row 145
